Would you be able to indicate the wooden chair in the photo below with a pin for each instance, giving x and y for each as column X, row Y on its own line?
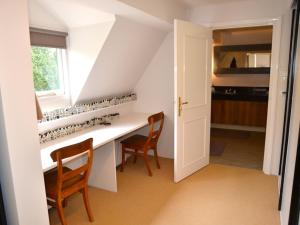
column 139, row 145
column 62, row 182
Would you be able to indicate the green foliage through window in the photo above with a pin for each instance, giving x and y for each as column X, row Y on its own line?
column 45, row 68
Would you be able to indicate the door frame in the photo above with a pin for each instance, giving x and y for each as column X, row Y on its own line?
column 271, row 154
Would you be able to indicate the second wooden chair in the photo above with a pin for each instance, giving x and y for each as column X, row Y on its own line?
column 139, row 145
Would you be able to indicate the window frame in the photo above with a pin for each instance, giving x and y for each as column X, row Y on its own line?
column 40, row 37
column 63, row 76
column 53, row 99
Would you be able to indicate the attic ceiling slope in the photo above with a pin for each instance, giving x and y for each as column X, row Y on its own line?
column 76, row 13
column 167, row 10
column 126, row 53
column 41, row 17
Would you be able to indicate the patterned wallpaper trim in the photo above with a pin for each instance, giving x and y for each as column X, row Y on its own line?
column 87, row 107
column 72, row 128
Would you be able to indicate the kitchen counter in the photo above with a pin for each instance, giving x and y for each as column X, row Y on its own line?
column 242, row 106
column 257, row 94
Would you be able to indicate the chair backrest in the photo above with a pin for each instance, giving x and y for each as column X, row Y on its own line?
column 153, row 132
column 82, row 148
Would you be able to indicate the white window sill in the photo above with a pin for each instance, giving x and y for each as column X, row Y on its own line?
column 50, row 102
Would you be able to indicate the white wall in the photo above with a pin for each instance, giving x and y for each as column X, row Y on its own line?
column 127, row 51
column 20, row 167
column 85, row 44
column 238, row 11
column 155, row 91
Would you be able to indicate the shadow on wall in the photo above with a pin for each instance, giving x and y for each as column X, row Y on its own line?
column 127, row 51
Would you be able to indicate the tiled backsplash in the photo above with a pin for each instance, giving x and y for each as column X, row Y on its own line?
column 72, row 128
column 87, row 107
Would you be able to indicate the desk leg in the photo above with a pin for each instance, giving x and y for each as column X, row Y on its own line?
column 103, row 174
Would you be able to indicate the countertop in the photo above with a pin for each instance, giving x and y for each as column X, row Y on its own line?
column 258, row 94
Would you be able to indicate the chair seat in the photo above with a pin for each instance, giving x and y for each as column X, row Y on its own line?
column 136, row 141
column 51, row 182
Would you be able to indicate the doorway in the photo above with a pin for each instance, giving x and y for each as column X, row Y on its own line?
column 189, row 41
column 240, row 91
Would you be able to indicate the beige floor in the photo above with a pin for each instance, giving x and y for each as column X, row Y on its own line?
column 216, row 195
column 243, row 149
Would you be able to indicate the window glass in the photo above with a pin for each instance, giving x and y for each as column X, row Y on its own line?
column 48, row 73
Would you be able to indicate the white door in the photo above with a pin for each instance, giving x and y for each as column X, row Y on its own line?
column 193, row 53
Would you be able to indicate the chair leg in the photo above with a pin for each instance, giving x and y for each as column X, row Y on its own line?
column 156, row 157
column 65, row 203
column 135, row 156
column 123, row 159
column 60, row 212
column 147, row 164
column 87, row 204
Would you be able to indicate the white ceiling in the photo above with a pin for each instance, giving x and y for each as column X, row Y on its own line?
column 193, row 3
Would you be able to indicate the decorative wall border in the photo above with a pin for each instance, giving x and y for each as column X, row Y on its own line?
column 72, row 128
column 87, row 107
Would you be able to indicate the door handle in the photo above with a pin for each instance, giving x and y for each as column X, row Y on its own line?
column 180, row 103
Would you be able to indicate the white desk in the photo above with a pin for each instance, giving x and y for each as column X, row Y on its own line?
column 103, row 174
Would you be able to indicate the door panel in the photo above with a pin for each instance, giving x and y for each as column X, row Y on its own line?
column 193, row 140
column 196, row 60
column 193, row 45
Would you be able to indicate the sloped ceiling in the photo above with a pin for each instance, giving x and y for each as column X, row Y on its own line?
column 122, row 60
column 77, row 13
column 74, row 13
column 167, row 10
column 41, row 17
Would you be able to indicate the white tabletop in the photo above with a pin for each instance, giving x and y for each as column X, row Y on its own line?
column 101, row 135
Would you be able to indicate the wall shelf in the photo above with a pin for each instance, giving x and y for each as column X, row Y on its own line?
column 259, row 70
column 243, row 48
column 242, row 59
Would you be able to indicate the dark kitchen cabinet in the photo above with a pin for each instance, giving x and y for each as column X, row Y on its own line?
column 243, row 113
